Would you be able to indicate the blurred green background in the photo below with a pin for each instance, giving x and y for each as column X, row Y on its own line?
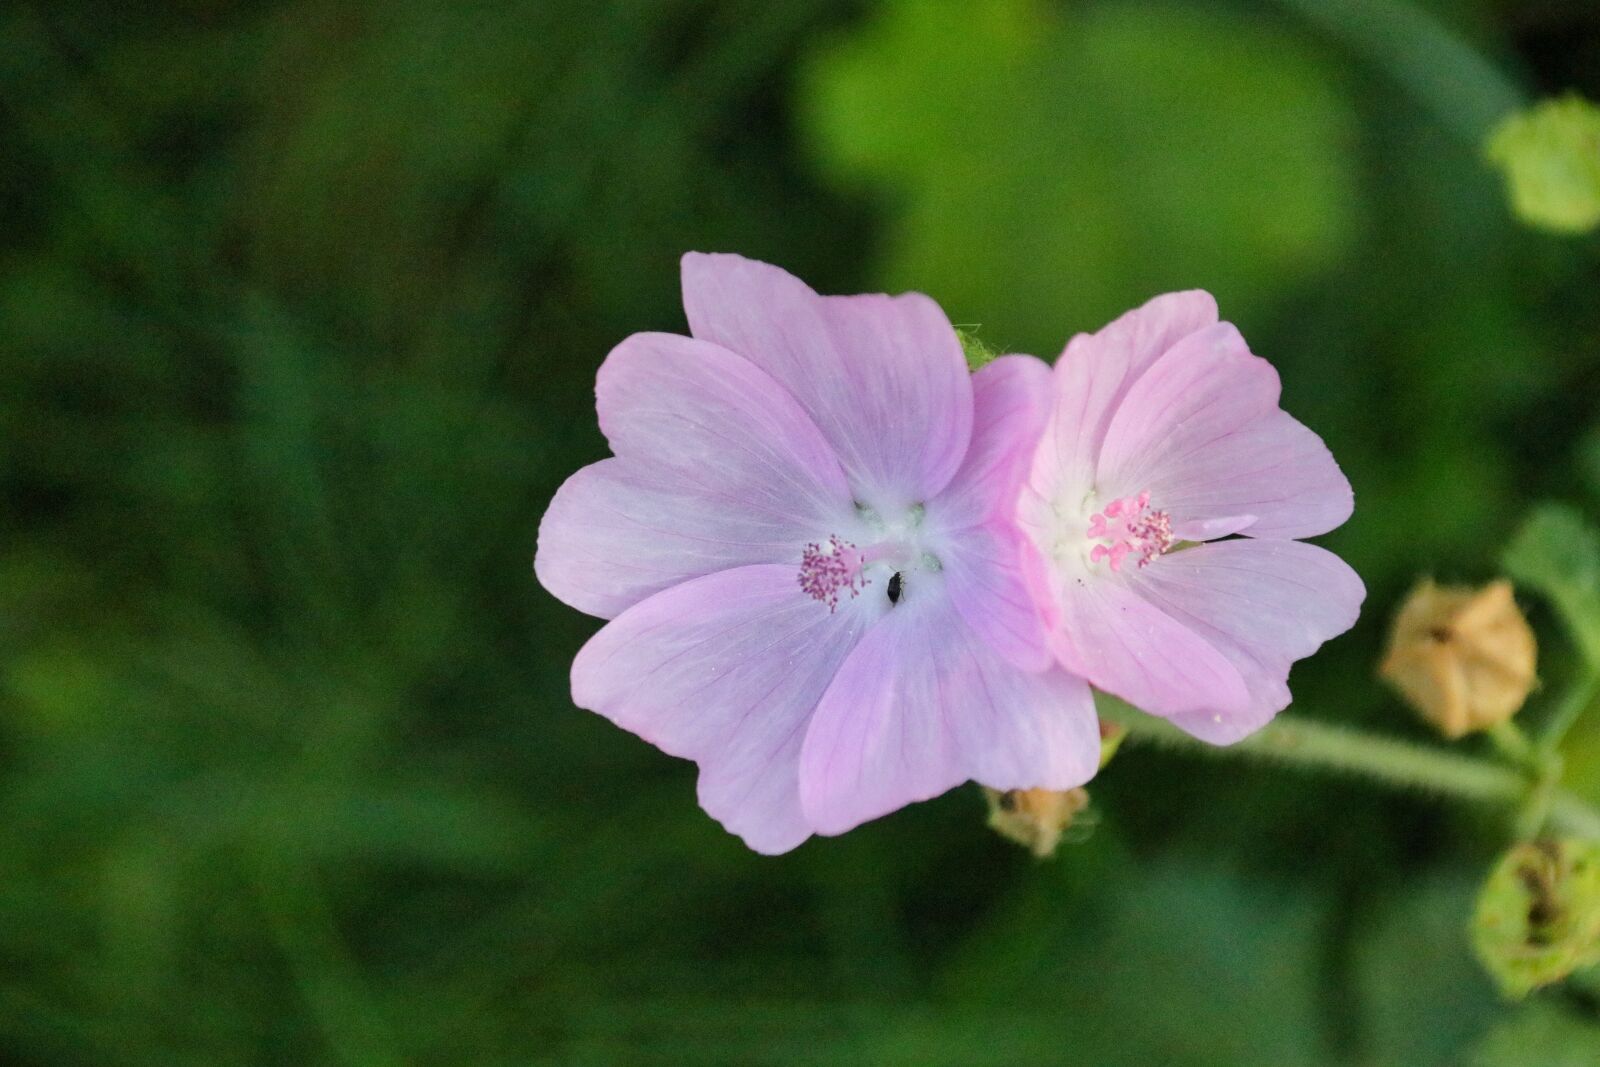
column 300, row 308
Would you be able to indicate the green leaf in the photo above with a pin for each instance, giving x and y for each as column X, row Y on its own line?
column 1557, row 553
column 1048, row 168
column 1541, row 1034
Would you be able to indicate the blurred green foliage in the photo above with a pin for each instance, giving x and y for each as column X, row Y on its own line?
column 1541, row 1035
column 1551, row 158
column 301, row 306
column 1046, row 162
column 1557, row 554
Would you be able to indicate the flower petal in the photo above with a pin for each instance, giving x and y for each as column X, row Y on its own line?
column 1202, row 431
column 1273, row 468
column 1010, row 400
column 972, row 517
column 726, row 670
column 883, row 377
column 618, row 532
column 718, row 423
column 1212, row 529
column 718, row 467
column 1263, row 605
column 1096, row 371
column 1108, row 633
column 922, row 705
column 984, row 577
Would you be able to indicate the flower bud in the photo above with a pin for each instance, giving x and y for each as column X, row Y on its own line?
column 1034, row 818
column 1111, row 736
column 1538, row 916
column 1039, row 818
column 979, row 354
column 1550, row 155
column 1463, row 657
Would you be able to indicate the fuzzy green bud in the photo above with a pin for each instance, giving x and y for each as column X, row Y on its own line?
column 1550, row 155
column 978, row 354
column 1538, row 916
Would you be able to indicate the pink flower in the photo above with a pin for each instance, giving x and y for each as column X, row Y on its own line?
column 1165, row 429
column 805, row 548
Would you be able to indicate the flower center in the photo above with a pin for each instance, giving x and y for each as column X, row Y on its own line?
column 1129, row 527
column 830, row 568
column 835, row 568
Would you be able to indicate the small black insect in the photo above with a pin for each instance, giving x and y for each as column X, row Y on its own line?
column 894, row 588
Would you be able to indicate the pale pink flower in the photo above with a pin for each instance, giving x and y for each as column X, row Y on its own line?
column 1164, row 429
column 805, row 548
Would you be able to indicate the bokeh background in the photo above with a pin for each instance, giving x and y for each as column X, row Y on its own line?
column 300, row 308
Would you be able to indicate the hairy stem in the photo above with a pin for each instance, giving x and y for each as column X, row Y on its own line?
column 1297, row 742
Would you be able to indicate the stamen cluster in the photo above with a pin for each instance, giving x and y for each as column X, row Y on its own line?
column 828, row 569
column 1129, row 527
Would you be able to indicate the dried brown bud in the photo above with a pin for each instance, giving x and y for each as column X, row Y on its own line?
column 1035, row 818
column 1463, row 657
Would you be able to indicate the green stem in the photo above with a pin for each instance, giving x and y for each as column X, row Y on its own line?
column 1297, row 742
column 1509, row 740
column 1585, row 692
column 1534, row 814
